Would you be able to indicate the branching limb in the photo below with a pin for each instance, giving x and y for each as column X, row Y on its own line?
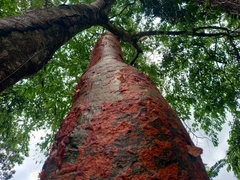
column 235, row 48
column 210, row 27
column 125, row 36
column 121, row 33
column 129, row 4
column 138, row 51
column 59, row 24
column 133, row 39
column 194, row 32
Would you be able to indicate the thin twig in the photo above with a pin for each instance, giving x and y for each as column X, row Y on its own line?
column 129, row 4
column 138, row 51
column 190, row 130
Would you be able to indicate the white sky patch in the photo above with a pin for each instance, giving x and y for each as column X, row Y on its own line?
column 32, row 165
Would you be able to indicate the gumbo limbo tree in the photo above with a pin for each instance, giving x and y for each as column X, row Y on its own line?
column 195, row 47
column 120, row 127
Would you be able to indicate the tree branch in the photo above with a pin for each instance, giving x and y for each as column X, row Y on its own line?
column 189, row 33
column 125, row 36
column 211, row 27
column 138, row 51
column 39, row 33
column 129, row 4
column 133, row 39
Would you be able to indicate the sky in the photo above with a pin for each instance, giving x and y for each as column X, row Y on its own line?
column 29, row 169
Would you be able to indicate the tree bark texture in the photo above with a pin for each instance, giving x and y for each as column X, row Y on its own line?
column 27, row 42
column 229, row 6
column 120, row 127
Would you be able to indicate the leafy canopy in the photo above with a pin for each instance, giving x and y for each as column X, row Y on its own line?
column 195, row 64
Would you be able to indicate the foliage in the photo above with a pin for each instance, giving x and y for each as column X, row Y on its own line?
column 233, row 154
column 8, row 8
column 14, row 132
column 6, row 157
column 214, row 170
column 198, row 73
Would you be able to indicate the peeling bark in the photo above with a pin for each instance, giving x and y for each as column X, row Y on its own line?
column 27, row 42
column 120, row 127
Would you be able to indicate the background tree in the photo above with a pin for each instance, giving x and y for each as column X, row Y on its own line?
column 198, row 72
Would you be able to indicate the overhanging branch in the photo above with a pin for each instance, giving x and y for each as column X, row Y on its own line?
column 188, row 33
column 39, row 33
column 134, row 38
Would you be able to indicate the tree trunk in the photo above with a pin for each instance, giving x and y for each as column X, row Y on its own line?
column 27, row 42
column 120, row 127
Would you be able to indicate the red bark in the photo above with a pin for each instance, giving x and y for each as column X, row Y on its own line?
column 120, row 127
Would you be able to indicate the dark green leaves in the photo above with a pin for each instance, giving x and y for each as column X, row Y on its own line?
column 233, row 154
column 168, row 10
column 14, row 132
